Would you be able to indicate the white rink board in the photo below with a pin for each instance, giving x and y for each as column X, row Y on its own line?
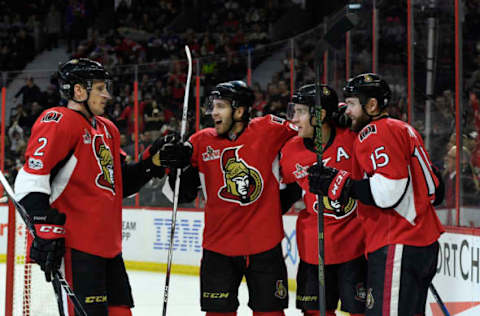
column 458, row 275
column 146, row 236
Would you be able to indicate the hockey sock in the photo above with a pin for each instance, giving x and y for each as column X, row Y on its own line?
column 221, row 314
column 274, row 313
column 311, row 313
column 119, row 311
column 329, row 313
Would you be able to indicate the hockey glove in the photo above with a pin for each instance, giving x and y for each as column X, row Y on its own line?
column 174, row 154
column 48, row 247
column 325, row 181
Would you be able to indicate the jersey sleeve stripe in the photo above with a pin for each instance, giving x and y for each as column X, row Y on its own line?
column 26, row 183
column 387, row 192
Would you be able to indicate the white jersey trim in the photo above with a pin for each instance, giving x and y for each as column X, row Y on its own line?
column 202, row 183
column 387, row 192
column 62, row 178
column 26, row 183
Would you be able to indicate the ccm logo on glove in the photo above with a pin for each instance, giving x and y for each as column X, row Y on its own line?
column 337, row 184
column 47, row 231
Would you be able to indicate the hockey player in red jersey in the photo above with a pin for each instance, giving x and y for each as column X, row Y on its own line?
column 236, row 163
column 396, row 187
column 74, row 179
column 345, row 264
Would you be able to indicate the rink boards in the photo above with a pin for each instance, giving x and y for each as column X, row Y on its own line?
column 146, row 241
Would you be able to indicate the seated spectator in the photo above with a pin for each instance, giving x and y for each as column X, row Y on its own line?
column 30, row 92
column 470, row 184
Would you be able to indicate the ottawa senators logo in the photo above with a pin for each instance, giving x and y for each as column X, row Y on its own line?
column 243, row 183
column 335, row 209
column 105, row 179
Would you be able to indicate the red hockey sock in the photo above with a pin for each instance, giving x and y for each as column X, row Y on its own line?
column 329, row 313
column 119, row 311
column 221, row 314
column 274, row 313
column 311, row 313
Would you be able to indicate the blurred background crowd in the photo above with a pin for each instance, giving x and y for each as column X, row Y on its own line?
column 143, row 40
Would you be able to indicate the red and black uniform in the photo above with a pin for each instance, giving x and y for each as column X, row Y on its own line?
column 342, row 229
column 74, row 165
column 243, row 223
column 400, row 222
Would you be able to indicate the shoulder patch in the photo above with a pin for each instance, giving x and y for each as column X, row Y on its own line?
column 52, row 116
column 367, row 131
column 276, row 119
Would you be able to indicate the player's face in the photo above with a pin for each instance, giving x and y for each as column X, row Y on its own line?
column 301, row 118
column 99, row 97
column 222, row 116
column 355, row 112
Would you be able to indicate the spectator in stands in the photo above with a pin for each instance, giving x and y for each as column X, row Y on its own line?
column 30, row 92
column 470, row 183
column 16, row 137
column 259, row 103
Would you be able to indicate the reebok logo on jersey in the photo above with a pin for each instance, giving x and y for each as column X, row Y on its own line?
column 211, row 154
column 52, row 116
column 243, row 183
column 35, row 164
column 367, row 131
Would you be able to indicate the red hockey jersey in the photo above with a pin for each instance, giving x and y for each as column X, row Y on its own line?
column 391, row 153
column 344, row 236
column 240, row 180
column 78, row 166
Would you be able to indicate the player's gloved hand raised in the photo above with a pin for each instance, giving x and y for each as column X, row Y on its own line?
column 48, row 247
column 325, row 181
column 175, row 154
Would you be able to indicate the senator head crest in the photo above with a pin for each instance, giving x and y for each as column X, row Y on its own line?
column 243, row 183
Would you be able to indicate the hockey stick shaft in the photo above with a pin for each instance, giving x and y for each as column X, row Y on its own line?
column 177, row 184
column 318, row 141
column 438, row 299
column 57, row 278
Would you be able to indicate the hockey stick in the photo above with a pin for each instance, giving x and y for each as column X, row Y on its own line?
column 58, row 279
column 318, row 141
column 438, row 299
column 340, row 26
column 177, row 183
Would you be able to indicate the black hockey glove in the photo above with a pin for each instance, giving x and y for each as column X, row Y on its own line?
column 330, row 182
column 174, row 154
column 48, row 247
column 151, row 155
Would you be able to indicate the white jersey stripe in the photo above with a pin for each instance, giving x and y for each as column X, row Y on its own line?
column 393, row 268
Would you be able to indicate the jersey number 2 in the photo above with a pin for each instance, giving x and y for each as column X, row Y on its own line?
column 43, row 143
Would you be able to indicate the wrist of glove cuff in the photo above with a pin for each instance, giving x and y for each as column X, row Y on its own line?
column 48, row 246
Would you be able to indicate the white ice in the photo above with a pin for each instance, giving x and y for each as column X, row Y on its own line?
column 183, row 298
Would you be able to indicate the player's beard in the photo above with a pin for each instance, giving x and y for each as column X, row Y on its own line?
column 360, row 122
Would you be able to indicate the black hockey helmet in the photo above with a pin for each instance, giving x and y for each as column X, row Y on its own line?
column 237, row 92
column 366, row 86
column 81, row 71
column 306, row 96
